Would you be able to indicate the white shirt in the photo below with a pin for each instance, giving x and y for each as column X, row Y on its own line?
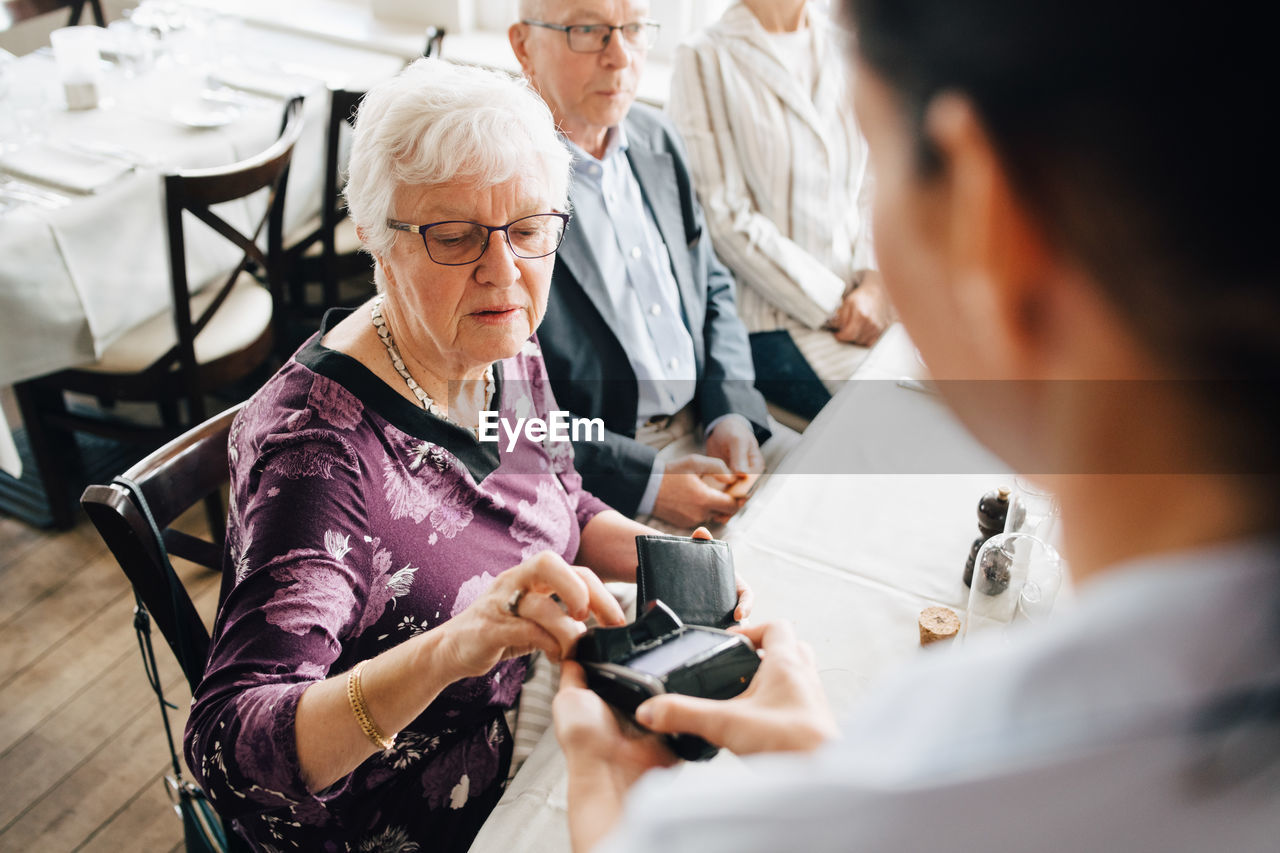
column 1073, row 736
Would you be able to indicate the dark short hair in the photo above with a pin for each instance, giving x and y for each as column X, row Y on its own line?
column 1132, row 130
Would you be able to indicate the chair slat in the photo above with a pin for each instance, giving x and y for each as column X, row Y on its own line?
column 173, row 479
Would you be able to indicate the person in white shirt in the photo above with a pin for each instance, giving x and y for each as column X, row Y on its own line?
column 761, row 98
column 1111, row 327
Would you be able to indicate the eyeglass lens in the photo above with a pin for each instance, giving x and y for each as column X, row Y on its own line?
column 464, row 242
column 593, row 38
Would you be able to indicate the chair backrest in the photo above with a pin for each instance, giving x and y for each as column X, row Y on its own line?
column 435, row 42
column 333, row 209
column 172, row 479
column 342, row 110
column 16, row 11
column 196, row 191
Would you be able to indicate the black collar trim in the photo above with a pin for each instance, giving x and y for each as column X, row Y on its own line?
column 481, row 459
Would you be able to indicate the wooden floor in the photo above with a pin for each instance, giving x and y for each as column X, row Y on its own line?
column 82, row 748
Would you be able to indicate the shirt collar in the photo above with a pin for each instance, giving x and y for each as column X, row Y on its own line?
column 615, row 145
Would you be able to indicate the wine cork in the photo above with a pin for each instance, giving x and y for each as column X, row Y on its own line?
column 936, row 624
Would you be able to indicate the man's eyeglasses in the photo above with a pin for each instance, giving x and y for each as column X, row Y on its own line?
column 456, row 243
column 593, row 38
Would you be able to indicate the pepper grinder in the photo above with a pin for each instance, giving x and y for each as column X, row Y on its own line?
column 993, row 508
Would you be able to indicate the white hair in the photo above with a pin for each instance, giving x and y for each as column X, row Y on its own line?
column 439, row 123
column 531, row 9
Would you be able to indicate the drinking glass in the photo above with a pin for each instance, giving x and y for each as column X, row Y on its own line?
column 1032, row 509
column 75, row 49
column 135, row 46
column 1016, row 578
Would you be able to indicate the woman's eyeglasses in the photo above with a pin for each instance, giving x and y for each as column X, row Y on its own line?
column 593, row 38
column 456, row 243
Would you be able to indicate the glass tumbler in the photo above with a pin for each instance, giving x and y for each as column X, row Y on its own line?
column 1016, row 578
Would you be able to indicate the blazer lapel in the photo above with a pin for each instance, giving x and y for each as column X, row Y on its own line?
column 576, row 255
column 655, row 172
column 754, row 56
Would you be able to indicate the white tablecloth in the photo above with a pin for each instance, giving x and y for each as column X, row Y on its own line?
column 850, row 539
column 74, row 279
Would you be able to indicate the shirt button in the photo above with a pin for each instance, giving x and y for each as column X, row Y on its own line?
column 673, row 363
column 656, row 309
column 635, row 251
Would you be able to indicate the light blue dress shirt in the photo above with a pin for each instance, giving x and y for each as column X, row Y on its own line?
column 622, row 234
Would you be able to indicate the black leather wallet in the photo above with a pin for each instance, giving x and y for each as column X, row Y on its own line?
column 694, row 577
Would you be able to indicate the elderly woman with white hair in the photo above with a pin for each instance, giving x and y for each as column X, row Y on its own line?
column 388, row 571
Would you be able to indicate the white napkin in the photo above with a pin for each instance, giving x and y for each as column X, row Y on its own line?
column 73, row 171
column 282, row 86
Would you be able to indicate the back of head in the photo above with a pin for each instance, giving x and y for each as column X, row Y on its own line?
column 440, row 123
column 1130, row 130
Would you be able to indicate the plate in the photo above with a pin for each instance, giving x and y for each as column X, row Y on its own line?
column 204, row 114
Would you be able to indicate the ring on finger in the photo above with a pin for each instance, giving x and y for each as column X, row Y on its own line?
column 513, row 603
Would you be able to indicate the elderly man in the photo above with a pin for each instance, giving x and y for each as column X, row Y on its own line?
column 641, row 329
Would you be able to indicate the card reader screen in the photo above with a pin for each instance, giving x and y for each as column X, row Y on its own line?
column 671, row 654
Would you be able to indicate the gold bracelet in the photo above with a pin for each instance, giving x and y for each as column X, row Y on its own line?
column 355, row 696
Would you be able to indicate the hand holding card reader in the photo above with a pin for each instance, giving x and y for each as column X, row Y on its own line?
column 658, row 654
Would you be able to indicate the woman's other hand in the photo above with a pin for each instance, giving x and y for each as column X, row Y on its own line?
column 746, row 598
column 783, row 709
column 865, row 312
column 518, row 614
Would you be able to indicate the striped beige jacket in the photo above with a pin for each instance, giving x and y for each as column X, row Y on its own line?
column 782, row 176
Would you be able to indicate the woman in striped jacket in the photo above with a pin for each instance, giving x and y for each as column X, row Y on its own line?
column 761, row 97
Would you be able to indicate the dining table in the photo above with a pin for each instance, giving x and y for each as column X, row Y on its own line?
column 398, row 27
column 83, row 253
column 866, row 522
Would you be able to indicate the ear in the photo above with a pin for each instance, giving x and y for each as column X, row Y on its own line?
column 1002, row 264
column 381, row 266
column 518, row 35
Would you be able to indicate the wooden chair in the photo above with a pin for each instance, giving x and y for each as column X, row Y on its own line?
column 171, row 480
column 327, row 249
column 210, row 339
column 435, row 42
column 16, row 11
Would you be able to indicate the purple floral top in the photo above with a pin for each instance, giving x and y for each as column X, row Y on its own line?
column 358, row 520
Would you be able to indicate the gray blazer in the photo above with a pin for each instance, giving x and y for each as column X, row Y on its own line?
column 589, row 370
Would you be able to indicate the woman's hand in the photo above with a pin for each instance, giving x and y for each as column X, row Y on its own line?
column 518, row 614
column 745, row 596
column 865, row 312
column 783, row 709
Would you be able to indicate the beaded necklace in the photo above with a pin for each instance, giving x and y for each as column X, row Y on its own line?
column 424, row 399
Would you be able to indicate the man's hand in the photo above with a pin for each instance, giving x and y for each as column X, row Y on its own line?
column 783, row 709
column 692, row 491
column 865, row 313
column 733, row 441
